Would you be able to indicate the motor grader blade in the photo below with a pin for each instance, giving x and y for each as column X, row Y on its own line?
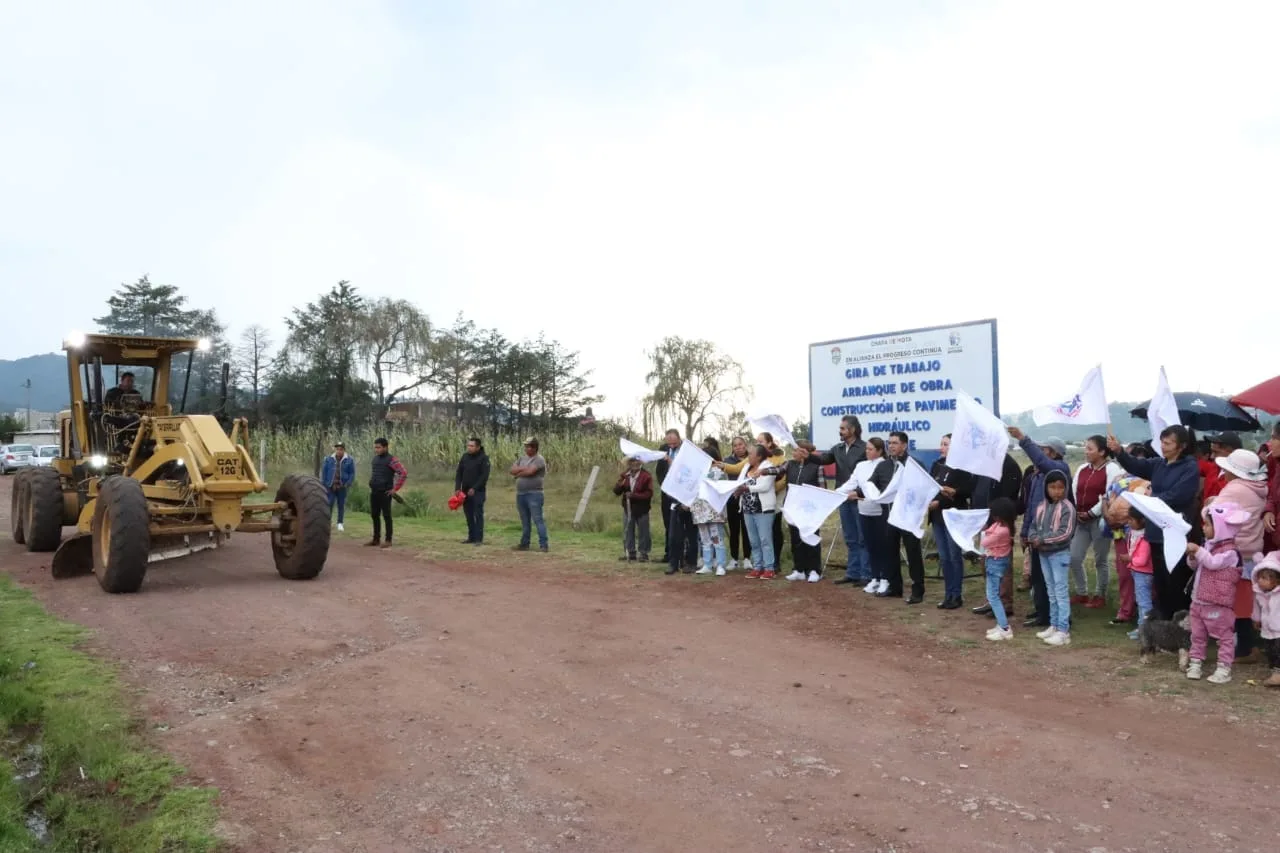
column 74, row 557
column 181, row 546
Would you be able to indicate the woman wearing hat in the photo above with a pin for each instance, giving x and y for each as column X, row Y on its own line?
column 1245, row 484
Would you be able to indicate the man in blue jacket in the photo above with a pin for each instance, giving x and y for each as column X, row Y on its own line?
column 338, row 473
column 1048, row 455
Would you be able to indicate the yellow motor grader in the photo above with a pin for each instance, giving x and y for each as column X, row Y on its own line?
column 142, row 483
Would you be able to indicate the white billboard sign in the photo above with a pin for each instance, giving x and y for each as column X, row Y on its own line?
column 902, row 381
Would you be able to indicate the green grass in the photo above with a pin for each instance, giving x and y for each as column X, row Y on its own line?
column 99, row 785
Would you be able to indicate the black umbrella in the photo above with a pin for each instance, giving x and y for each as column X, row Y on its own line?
column 1207, row 413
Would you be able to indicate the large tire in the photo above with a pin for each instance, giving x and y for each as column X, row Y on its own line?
column 17, row 509
column 301, row 545
column 121, row 535
column 43, row 523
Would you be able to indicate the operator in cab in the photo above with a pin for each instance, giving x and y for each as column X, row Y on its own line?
column 124, row 396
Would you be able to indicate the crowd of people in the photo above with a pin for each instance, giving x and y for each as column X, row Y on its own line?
column 1227, row 582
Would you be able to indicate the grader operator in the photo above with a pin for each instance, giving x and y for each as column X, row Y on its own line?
column 142, row 480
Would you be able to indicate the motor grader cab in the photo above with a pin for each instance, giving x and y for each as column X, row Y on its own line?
column 141, row 482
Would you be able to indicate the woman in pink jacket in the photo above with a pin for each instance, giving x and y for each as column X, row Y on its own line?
column 1246, row 486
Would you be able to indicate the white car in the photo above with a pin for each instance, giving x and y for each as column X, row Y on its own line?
column 15, row 456
column 44, row 455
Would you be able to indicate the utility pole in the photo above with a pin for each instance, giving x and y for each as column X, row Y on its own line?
column 27, row 385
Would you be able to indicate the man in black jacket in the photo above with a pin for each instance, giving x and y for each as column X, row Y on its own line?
column 845, row 456
column 472, row 479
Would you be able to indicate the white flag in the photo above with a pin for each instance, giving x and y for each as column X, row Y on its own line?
column 890, row 491
column 631, row 450
column 688, row 471
column 1175, row 527
column 964, row 524
column 912, row 504
column 718, row 492
column 979, row 440
column 807, row 507
column 775, row 426
column 1162, row 411
column 1088, row 406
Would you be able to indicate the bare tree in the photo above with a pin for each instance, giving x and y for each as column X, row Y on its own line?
column 690, row 380
column 252, row 361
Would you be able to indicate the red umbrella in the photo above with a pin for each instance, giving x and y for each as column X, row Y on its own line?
column 1264, row 396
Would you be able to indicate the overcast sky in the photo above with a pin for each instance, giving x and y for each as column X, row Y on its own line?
column 1102, row 177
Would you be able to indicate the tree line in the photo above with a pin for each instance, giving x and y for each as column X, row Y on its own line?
column 346, row 358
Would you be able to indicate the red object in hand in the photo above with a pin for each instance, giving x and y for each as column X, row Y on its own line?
column 456, row 500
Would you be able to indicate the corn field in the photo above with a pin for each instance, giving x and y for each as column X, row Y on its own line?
column 437, row 447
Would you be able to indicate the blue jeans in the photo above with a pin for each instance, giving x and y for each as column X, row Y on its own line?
column 760, row 529
column 529, row 505
column 713, row 545
column 951, row 559
column 1143, row 583
column 1056, row 566
column 473, row 507
column 340, row 498
column 858, row 566
column 997, row 568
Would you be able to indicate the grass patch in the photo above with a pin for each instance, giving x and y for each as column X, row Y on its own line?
column 91, row 776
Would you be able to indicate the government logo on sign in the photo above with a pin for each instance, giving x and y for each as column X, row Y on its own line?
column 835, row 355
column 954, row 340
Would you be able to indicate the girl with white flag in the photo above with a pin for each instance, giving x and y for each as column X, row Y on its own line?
column 710, row 519
column 1172, row 524
column 874, row 479
column 964, row 525
column 1087, row 406
column 997, row 546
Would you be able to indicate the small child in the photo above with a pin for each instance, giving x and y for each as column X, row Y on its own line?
column 997, row 545
column 1140, row 565
column 1051, row 534
column 1266, row 610
column 1213, row 598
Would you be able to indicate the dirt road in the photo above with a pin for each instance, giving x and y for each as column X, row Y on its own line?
column 396, row 704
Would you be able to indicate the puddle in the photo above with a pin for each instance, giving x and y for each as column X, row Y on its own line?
column 28, row 765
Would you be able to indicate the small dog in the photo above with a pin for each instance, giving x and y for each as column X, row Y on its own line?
column 1171, row 635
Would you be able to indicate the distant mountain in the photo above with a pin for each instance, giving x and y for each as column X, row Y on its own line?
column 1126, row 428
column 48, row 375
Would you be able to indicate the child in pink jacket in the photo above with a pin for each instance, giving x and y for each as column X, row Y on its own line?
column 1266, row 610
column 1213, row 598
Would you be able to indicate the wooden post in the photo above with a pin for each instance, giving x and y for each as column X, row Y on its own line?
column 319, row 460
column 262, row 458
column 586, row 496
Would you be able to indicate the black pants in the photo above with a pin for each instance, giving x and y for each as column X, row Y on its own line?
column 777, row 540
column 682, row 541
column 875, row 537
column 896, row 541
column 1272, row 648
column 739, row 539
column 665, row 505
column 1246, row 638
column 807, row 558
column 380, row 509
column 1170, row 587
column 1039, row 589
column 473, row 507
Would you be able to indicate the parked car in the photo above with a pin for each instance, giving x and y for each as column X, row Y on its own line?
column 44, row 455
column 15, row 456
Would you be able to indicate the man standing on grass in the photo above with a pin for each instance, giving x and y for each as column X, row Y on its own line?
column 338, row 473
column 472, row 479
column 635, row 487
column 845, row 456
column 530, row 471
column 385, row 480
column 673, row 442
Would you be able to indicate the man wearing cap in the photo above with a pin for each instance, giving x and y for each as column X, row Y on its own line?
column 1048, row 455
column 337, row 474
column 530, row 471
column 1220, row 447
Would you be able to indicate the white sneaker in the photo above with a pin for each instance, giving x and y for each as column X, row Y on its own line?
column 1221, row 675
column 1046, row 633
column 733, row 564
column 998, row 634
column 699, row 562
column 720, row 572
column 746, row 564
column 883, row 586
column 1059, row 639
column 1193, row 670
column 814, row 577
column 340, row 527
column 705, row 570
column 795, row 576
column 871, row 587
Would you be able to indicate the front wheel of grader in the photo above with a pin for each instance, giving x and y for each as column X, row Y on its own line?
column 17, row 509
column 121, row 535
column 301, row 544
column 42, row 499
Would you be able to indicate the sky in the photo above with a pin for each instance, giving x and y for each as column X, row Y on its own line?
column 1101, row 177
